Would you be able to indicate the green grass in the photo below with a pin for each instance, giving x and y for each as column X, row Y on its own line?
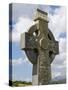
column 20, row 83
column 24, row 83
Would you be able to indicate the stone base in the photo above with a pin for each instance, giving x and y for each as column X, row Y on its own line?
column 35, row 80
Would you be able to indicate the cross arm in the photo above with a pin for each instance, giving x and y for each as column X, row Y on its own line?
column 27, row 41
column 54, row 46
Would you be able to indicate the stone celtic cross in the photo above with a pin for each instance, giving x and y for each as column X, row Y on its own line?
column 40, row 47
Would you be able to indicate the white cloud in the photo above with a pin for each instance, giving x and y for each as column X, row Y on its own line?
column 62, row 45
column 59, row 63
column 57, row 24
column 60, row 74
column 56, row 74
column 21, row 26
column 19, row 61
column 57, row 21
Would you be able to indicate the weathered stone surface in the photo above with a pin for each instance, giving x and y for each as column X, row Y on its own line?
column 40, row 47
column 35, row 80
column 41, row 15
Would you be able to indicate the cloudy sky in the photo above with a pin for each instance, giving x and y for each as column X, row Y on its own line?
column 22, row 19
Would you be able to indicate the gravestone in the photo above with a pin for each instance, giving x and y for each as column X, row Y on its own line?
column 40, row 47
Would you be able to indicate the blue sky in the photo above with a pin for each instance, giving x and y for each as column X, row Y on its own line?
column 22, row 18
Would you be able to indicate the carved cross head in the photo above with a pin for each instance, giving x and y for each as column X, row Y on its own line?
column 39, row 37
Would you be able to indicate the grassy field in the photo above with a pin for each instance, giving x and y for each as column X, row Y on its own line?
column 20, row 83
column 24, row 83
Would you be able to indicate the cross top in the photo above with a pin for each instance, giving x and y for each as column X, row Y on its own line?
column 41, row 15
